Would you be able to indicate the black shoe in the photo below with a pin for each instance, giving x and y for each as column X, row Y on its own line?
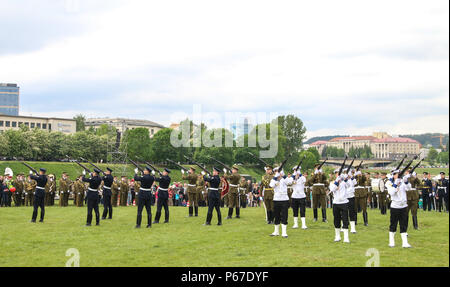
column 190, row 215
column 42, row 220
column 155, row 222
column 206, row 224
column 33, row 221
column 137, row 226
column 324, row 220
column 315, row 220
column 229, row 217
column 237, row 216
column 88, row 224
column 149, row 226
column 97, row 224
column 167, row 221
column 109, row 217
column 219, row 224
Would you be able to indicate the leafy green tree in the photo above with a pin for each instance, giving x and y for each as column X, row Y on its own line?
column 137, row 143
column 443, row 157
column 80, row 122
column 432, row 155
column 294, row 132
column 161, row 148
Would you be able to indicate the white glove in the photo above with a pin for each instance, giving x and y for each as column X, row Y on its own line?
column 182, row 171
column 277, row 174
column 406, row 177
column 136, row 171
column 398, row 181
column 316, row 171
column 414, row 174
column 153, row 172
column 31, row 172
column 224, row 170
column 358, row 173
column 84, row 172
column 203, row 173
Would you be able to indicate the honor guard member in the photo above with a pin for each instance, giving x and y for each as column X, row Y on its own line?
column 19, row 185
column 243, row 190
column 107, row 193
column 351, row 182
column 413, row 197
column 92, row 196
column 79, row 189
column 319, row 182
column 361, row 196
column 193, row 195
column 63, row 190
column 201, row 189
column 145, row 195
column 53, row 189
column 163, row 196
column 340, row 206
column 213, row 196
column 137, row 189
column 373, row 192
column 115, row 189
column 442, row 187
column 397, row 188
column 299, row 197
column 267, row 193
column 123, row 188
column 48, row 186
column 39, row 196
column 382, row 196
column 427, row 186
column 30, row 188
column 280, row 183
column 233, row 194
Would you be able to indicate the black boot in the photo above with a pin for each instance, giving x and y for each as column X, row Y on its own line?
column 208, row 219
column 110, row 213
column 324, row 215
column 166, row 217
column 230, row 213
column 149, row 220
column 268, row 217
column 157, row 217
column 105, row 213
column 366, row 220
column 238, row 212
column 138, row 221
column 271, row 217
column 191, row 211
column 415, row 223
column 196, row 211
column 219, row 217
column 315, row 215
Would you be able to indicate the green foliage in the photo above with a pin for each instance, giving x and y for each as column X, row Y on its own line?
column 364, row 152
column 294, row 132
column 443, row 157
column 80, row 122
column 138, row 143
column 161, row 148
column 332, row 151
column 432, row 156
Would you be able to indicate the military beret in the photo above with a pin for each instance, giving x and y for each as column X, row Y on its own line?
column 167, row 170
column 108, row 169
column 217, row 169
column 443, row 173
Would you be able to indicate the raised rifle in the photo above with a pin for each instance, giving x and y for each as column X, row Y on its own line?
column 221, row 163
column 177, row 165
column 284, row 162
column 199, row 165
column 321, row 165
column 262, row 161
column 153, row 167
column 350, row 166
column 359, row 166
column 93, row 165
column 300, row 163
column 400, row 164
column 136, row 165
column 342, row 166
column 406, row 167
column 27, row 165
column 80, row 164
column 416, row 166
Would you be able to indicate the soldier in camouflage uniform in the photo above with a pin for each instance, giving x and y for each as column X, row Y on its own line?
column 412, row 195
column 233, row 194
column 115, row 192
column 361, row 196
column 79, row 189
column 64, row 190
column 267, row 193
column 244, row 188
column 201, row 188
column 319, row 182
column 382, row 195
column 193, row 194
column 123, row 191
column 30, row 188
column 19, row 185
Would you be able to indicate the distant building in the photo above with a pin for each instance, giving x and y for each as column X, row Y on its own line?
column 9, row 99
column 240, row 129
column 381, row 144
column 66, row 126
column 121, row 124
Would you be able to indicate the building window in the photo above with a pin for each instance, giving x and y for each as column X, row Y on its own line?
column 32, row 125
column 27, row 124
column 8, row 124
column 50, row 127
column 44, row 126
column 38, row 125
column 152, row 131
column 2, row 123
column 14, row 124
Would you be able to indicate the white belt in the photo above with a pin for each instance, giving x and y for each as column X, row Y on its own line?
column 232, row 185
column 318, row 184
column 242, row 188
column 192, row 185
column 38, row 187
column 107, row 187
column 163, row 189
column 146, row 189
column 441, row 187
column 92, row 189
column 213, row 188
column 413, row 189
column 359, row 187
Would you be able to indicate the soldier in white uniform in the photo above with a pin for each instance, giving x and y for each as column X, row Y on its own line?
column 351, row 200
column 299, row 197
column 340, row 205
column 397, row 188
column 280, row 202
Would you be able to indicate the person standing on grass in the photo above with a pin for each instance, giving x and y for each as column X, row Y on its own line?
column 107, row 193
column 280, row 184
column 92, row 196
column 397, row 188
column 144, row 196
column 340, row 207
column 299, row 197
column 442, row 187
column 427, row 186
column 39, row 196
column 163, row 196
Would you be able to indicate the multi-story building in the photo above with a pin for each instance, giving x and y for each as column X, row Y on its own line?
column 121, row 124
column 66, row 126
column 9, row 99
column 381, row 144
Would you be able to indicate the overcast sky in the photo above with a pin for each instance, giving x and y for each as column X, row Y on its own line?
column 343, row 67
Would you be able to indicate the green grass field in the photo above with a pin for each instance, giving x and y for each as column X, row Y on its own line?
column 185, row 242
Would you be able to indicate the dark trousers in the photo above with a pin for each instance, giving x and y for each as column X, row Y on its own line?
column 340, row 213
column 4, row 199
column 107, row 205
column 162, row 202
column 426, row 202
column 280, row 210
column 213, row 203
column 352, row 209
column 399, row 216
column 92, row 204
column 145, row 200
column 299, row 203
column 39, row 201
column 439, row 204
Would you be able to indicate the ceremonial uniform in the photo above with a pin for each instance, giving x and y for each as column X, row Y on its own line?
column 107, row 193
column 412, row 195
column 442, row 188
column 115, row 189
column 243, row 191
column 19, row 185
column 298, row 198
column 427, row 186
column 30, row 187
column 340, row 206
column 93, row 198
column 361, row 196
column 280, row 202
column 79, row 188
column 145, row 198
column 319, row 182
column 233, row 194
column 268, row 196
column 383, row 195
column 124, row 188
column 39, row 197
column 64, row 191
column 163, row 197
column 52, row 193
column 193, row 194
column 350, row 185
column 213, row 198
